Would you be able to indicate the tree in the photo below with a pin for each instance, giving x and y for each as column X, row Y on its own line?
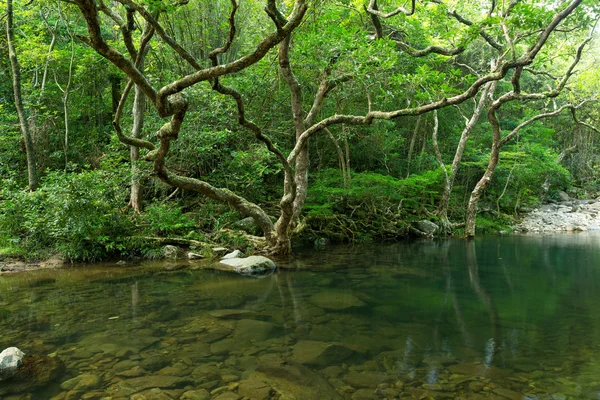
column 498, row 140
column 171, row 102
column 16, row 73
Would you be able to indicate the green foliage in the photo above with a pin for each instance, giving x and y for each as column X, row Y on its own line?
column 409, row 194
column 75, row 214
column 166, row 219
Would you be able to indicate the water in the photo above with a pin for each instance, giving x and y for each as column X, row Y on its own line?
column 514, row 317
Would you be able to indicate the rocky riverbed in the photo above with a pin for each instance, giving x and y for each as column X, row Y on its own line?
column 567, row 215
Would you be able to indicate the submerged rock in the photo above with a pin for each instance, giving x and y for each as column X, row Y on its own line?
column 322, row 354
column 293, row 380
column 335, row 300
column 35, row 372
column 251, row 329
column 253, row 265
column 10, row 360
column 82, row 383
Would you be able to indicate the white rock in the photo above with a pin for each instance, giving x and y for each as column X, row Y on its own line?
column 253, row 265
column 233, row 254
column 10, row 360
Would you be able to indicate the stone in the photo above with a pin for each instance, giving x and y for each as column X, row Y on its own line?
column 250, row 329
column 10, row 361
column 206, row 373
column 255, row 389
column 365, row 394
column 476, row 386
column 215, row 334
column 154, row 363
column 478, row 370
column 225, row 346
column 172, row 252
column 201, row 394
column 563, row 196
column 427, row 227
column 157, row 381
column 293, row 380
column 233, row 254
column 253, row 265
column 365, row 379
column 335, row 300
column 509, row 394
column 230, row 314
column 219, row 251
column 83, row 383
column 321, row 354
column 194, row 256
column 227, row 396
column 36, row 372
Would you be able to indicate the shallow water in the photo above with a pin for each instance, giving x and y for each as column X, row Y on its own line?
column 514, row 317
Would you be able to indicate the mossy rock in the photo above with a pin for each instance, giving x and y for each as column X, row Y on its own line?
column 36, row 372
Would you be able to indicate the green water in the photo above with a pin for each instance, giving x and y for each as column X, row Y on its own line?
column 500, row 317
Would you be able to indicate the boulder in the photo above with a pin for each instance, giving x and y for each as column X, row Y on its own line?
column 253, row 265
column 172, row 252
column 427, row 227
column 10, row 360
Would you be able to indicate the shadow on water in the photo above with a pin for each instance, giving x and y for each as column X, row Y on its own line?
column 500, row 317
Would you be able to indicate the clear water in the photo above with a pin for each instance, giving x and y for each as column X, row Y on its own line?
column 514, row 317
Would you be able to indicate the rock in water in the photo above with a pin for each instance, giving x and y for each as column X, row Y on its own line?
column 253, row 265
column 10, row 360
column 36, row 372
column 427, row 227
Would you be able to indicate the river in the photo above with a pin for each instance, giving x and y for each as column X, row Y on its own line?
column 500, row 317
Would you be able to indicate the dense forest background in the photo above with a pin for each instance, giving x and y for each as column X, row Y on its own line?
column 338, row 121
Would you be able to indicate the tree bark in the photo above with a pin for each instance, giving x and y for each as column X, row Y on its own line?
column 16, row 72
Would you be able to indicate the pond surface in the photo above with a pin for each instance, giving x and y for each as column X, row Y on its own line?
column 515, row 317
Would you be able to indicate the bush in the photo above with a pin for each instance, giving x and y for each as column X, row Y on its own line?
column 78, row 215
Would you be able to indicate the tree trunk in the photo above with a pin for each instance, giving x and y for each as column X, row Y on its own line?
column 471, row 217
column 411, row 147
column 442, row 211
column 16, row 72
column 139, row 108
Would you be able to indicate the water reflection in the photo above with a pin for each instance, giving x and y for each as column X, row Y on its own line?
column 491, row 317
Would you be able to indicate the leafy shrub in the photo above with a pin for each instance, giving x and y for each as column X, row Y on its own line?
column 75, row 214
